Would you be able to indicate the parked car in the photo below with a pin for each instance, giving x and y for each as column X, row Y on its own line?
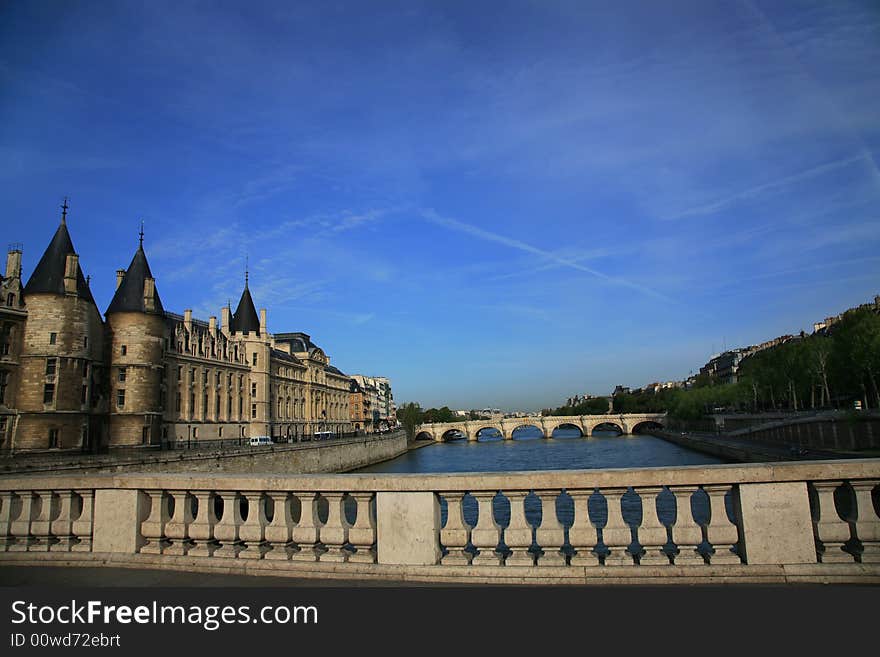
column 257, row 441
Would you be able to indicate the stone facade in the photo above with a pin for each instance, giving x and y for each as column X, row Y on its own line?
column 72, row 380
column 379, row 398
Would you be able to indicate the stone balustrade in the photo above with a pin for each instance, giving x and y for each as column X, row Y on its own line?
column 536, row 525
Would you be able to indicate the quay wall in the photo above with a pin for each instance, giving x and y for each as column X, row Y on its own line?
column 330, row 456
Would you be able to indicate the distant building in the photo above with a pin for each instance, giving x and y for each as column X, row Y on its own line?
column 377, row 390
column 826, row 325
column 620, row 390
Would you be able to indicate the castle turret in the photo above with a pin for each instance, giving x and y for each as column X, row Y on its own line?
column 61, row 395
column 136, row 335
column 252, row 338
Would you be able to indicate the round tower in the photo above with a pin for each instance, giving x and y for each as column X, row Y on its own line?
column 135, row 345
column 61, row 397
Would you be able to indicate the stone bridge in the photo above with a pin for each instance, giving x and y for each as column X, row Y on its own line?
column 626, row 423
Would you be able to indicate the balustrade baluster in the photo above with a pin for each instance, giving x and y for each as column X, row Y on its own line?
column 334, row 533
column 487, row 532
column 722, row 533
column 228, row 528
column 178, row 525
column 652, row 532
column 9, row 504
column 518, row 535
column 362, row 535
column 867, row 522
column 20, row 527
column 582, row 534
column 62, row 524
column 253, row 530
column 830, row 530
column 616, row 534
column 455, row 535
column 307, row 532
column 41, row 526
column 83, row 524
column 550, row 535
column 278, row 531
column 686, row 533
column 153, row 528
column 201, row 528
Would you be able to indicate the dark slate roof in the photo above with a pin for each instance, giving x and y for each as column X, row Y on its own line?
column 245, row 318
column 298, row 341
column 283, row 355
column 48, row 275
column 129, row 295
column 330, row 368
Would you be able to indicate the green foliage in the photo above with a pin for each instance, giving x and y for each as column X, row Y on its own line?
column 813, row 372
column 819, row 371
column 410, row 416
column 597, row 406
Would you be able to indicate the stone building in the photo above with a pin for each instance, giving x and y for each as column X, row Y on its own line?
column 377, row 393
column 143, row 376
column 360, row 409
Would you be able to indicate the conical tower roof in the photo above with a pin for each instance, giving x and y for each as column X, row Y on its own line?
column 48, row 276
column 129, row 295
column 245, row 318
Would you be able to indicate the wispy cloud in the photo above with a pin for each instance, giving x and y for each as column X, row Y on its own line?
column 489, row 236
column 758, row 190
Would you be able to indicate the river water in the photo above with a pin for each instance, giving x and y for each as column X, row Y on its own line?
column 529, row 451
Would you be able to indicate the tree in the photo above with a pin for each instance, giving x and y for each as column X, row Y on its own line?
column 410, row 416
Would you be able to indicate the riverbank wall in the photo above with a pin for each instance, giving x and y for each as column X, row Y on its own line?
column 321, row 457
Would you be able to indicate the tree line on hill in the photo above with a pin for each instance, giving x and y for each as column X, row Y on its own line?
column 820, row 371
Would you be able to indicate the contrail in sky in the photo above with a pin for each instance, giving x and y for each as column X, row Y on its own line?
column 474, row 231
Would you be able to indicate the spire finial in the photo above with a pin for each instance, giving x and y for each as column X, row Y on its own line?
column 64, row 208
column 141, row 234
column 246, row 267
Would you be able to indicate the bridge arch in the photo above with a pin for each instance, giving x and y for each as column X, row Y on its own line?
column 483, row 433
column 646, row 426
column 526, row 425
column 424, row 435
column 607, row 425
column 454, row 433
column 561, row 426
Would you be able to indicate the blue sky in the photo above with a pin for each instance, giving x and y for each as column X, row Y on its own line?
column 492, row 204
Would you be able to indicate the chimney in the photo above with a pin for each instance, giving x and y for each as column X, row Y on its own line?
column 70, row 269
column 212, row 325
column 149, row 294
column 224, row 319
column 13, row 262
column 120, row 274
column 188, row 320
column 263, row 321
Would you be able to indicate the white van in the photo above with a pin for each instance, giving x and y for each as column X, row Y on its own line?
column 257, row 441
column 323, row 435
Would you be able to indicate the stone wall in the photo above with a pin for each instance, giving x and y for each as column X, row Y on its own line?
column 847, row 434
column 78, row 339
column 299, row 458
column 135, row 342
column 709, row 524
